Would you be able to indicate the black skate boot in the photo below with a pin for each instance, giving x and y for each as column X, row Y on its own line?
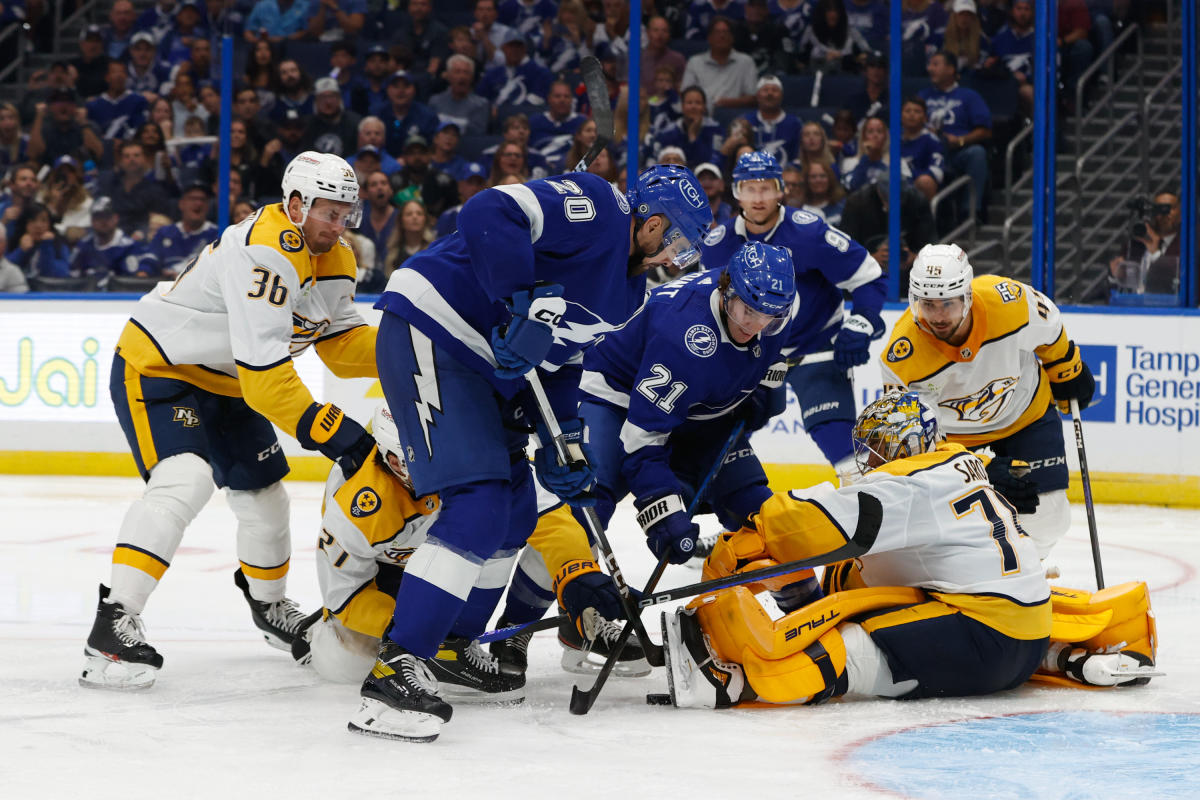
column 586, row 658
column 466, row 672
column 399, row 699
column 281, row 622
column 118, row 656
column 513, row 652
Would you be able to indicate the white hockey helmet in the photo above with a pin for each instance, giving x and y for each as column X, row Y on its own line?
column 940, row 272
column 314, row 175
column 387, row 436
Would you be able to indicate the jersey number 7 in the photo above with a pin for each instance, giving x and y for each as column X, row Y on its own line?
column 1002, row 517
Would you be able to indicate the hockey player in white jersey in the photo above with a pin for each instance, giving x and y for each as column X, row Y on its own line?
column 202, row 369
column 992, row 357
column 949, row 599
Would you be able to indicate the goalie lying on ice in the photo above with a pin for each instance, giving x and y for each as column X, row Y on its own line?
column 949, row 601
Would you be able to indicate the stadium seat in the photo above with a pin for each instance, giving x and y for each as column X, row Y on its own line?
column 725, row 115
column 313, row 57
column 838, row 87
column 689, row 47
column 471, row 147
column 821, row 114
column 797, row 90
column 508, row 109
column 999, row 92
column 45, row 283
column 133, row 284
column 910, row 86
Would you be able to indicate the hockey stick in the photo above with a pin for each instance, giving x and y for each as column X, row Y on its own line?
column 581, row 701
column 597, row 92
column 1086, row 479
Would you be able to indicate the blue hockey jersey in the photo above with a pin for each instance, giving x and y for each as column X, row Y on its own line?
column 571, row 230
column 117, row 118
column 674, row 362
column 172, row 246
column 827, row 262
column 780, row 138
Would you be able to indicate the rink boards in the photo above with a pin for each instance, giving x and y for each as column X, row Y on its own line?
column 1143, row 436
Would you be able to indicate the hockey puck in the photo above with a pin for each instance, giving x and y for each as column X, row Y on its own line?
column 658, row 699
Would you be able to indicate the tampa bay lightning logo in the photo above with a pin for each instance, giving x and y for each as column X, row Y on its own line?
column 715, row 235
column 622, row 200
column 701, row 340
column 692, row 194
column 803, row 217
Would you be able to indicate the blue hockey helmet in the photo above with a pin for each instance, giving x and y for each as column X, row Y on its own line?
column 757, row 166
column 674, row 192
column 897, row 425
column 762, row 281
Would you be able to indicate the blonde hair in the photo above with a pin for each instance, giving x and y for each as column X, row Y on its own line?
column 862, row 137
column 963, row 46
column 824, row 156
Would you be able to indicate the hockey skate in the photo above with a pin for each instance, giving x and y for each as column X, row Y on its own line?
column 399, row 699
column 696, row 677
column 704, row 547
column 584, row 657
column 513, row 652
column 281, row 622
column 118, row 656
column 466, row 672
column 1122, row 668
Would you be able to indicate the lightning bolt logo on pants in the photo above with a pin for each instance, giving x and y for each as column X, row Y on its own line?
column 428, row 397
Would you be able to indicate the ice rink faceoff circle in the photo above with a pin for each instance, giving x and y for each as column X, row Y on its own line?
column 1044, row 754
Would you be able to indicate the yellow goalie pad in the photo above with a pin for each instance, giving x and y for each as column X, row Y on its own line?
column 1118, row 617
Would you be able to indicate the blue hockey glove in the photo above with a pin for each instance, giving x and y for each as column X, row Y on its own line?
column 1081, row 388
column 852, row 345
column 571, row 483
column 326, row 429
column 527, row 339
column 668, row 529
column 1008, row 476
column 762, row 404
column 581, row 585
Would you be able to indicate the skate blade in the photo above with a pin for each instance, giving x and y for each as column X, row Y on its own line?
column 101, row 672
column 452, row 693
column 374, row 718
column 276, row 642
column 579, row 662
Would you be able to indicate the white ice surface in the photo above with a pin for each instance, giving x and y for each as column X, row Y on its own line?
column 230, row 717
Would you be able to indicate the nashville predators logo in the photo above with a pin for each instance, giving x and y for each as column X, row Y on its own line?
column 305, row 331
column 290, row 241
column 187, row 416
column 366, row 503
column 901, row 349
column 1009, row 292
column 985, row 405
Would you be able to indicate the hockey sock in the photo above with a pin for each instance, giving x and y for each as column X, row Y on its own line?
column 528, row 598
column 834, row 439
column 264, row 539
column 485, row 595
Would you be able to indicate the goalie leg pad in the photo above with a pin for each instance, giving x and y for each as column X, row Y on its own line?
column 812, row 676
column 264, row 538
column 340, row 655
column 1130, row 628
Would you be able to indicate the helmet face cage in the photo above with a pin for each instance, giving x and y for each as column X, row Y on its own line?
column 940, row 272
column 315, row 175
column 757, row 166
column 762, row 278
column 674, row 192
column 895, row 426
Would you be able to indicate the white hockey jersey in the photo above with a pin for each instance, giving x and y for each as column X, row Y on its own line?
column 996, row 382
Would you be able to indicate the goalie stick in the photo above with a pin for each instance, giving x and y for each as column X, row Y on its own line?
column 1086, row 479
column 597, row 93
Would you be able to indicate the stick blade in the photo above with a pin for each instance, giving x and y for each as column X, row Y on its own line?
column 581, row 702
column 596, row 85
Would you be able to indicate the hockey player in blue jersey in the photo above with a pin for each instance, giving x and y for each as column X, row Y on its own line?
column 824, row 342
column 535, row 273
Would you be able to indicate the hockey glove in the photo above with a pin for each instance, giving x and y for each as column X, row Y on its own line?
column 527, row 339
column 326, row 429
column 758, row 409
column 581, row 585
column 1008, row 476
column 853, row 343
column 1080, row 388
column 668, row 529
column 571, row 483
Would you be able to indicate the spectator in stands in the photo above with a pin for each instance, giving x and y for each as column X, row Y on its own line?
column 426, row 38
column 1012, row 49
column 445, row 157
column 239, row 210
column 150, row 134
column 701, row 14
column 14, row 143
column 662, row 107
column 373, row 133
column 739, row 135
column 70, row 204
column 278, row 20
column 843, row 139
column 872, row 99
column 200, row 61
column 295, row 91
column 671, row 155
column 527, row 16
column 865, row 219
column 243, row 157
column 419, row 181
column 235, row 194
column 696, row 133
column 658, row 53
column 815, row 147
column 605, row 166
column 158, row 19
column 262, row 73
column 176, row 46
column 224, row 17
column 1075, row 49
column 509, row 161
column 516, row 131
column 368, row 159
column 775, row 131
column 563, row 42
column 135, row 194
column 63, row 131
column 923, row 153
column 338, row 20
column 279, row 152
column 552, row 131
column 727, row 76
column 992, row 16
column 405, row 117
column 42, row 83
column 1110, row 16
column 823, row 193
column 189, row 159
column 713, row 184
column 343, row 66
column 458, row 103
column 174, row 245
column 1150, row 262
column 962, row 119
column 210, row 100
column 39, row 250
column 764, row 40
column 519, row 79
column 185, row 103
column 146, row 75
column 21, row 190
column 870, row 19
column 380, row 218
column 106, row 250
column 581, row 142
column 793, row 186
column 117, row 112
column 413, row 234
column 332, row 129
column 830, row 44
column 471, row 180
column 162, row 114
column 610, row 39
column 964, row 38
column 369, row 96
column 91, row 64
column 872, row 159
column 487, row 33
column 12, row 280
column 118, row 33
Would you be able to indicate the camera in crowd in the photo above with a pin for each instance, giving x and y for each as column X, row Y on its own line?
column 1144, row 209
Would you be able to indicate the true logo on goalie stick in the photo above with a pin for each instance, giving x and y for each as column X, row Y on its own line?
column 187, row 416
column 365, row 503
column 701, row 340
